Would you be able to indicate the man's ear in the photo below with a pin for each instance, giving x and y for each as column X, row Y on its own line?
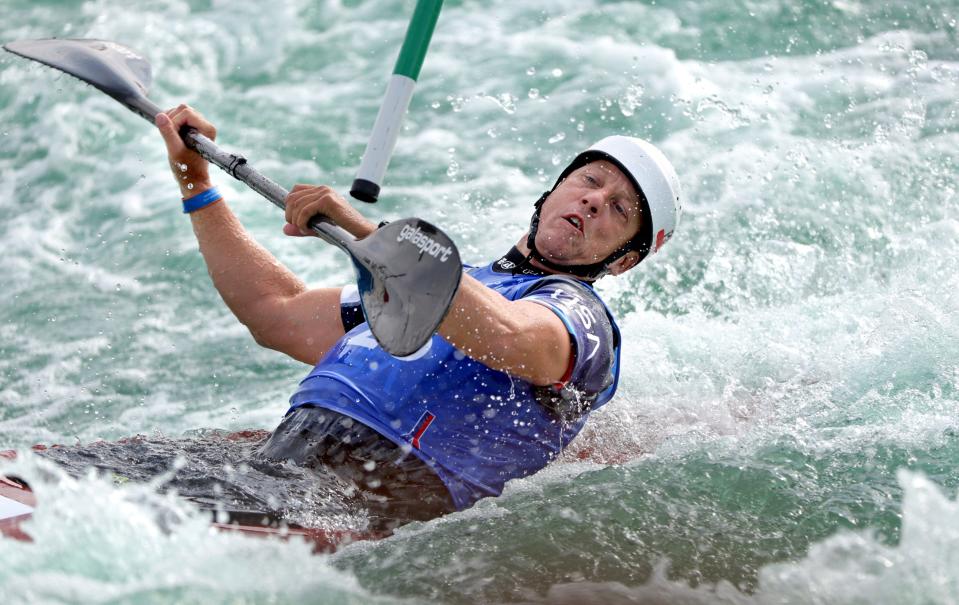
column 624, row 263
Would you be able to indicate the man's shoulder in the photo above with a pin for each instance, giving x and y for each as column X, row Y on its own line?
column 592, row 376
column 571, row 293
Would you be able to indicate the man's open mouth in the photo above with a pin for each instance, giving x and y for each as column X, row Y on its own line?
column 575, row 221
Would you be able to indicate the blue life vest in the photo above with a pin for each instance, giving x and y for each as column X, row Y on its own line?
column 475, row 426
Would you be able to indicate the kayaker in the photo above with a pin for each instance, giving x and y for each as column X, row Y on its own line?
column 526, row 353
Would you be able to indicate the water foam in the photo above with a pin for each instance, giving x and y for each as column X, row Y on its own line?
column 96, row 540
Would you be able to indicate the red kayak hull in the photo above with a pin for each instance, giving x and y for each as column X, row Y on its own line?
column 13, row 492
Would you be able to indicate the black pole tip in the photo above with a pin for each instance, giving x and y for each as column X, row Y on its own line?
column 365, row 191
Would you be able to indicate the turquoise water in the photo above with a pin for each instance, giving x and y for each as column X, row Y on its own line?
column 787, row 428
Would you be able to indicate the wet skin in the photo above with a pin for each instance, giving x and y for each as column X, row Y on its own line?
column 588, row 216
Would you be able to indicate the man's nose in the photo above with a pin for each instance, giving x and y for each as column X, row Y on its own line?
column 593, row 201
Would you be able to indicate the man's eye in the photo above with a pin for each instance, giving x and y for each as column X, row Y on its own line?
column 589, row 179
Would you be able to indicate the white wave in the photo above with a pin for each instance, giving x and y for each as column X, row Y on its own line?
column 100, row 542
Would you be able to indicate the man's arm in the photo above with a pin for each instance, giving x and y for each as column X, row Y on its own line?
column 275, row 305
column 520, row 337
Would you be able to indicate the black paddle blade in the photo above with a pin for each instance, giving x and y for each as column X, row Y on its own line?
column 108, row 66
column 407, row 275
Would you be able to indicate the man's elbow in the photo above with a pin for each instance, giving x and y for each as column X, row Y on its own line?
column 269, row 335
column 263, row 338
column 300, row 349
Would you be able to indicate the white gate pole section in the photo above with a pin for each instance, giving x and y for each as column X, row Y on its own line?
column 399, row 91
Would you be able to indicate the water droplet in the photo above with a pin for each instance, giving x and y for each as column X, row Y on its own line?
column 189, row 185
column 631, row 99
column 507, row 102
column 456, row 103
column 531, row 71
column 183, row 167
column 435, row 104
column 533, row 94
column 556, row 138
column 453, row 169
column 557, row 72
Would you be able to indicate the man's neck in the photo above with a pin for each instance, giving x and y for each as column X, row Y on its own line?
column 540, row 268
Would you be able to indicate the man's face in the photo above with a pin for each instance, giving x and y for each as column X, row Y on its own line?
column 594, row 211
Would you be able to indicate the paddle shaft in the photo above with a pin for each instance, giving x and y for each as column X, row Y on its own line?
column 237, row 167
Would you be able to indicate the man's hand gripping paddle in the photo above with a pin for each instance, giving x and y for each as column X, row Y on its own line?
column 407, row 271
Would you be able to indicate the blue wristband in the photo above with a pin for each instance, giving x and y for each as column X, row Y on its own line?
column 201, row 200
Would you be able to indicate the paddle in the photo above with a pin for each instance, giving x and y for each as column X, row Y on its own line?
column 407, row 271
column 396, row 101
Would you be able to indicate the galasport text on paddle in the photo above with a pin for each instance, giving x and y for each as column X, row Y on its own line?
column 407, row 271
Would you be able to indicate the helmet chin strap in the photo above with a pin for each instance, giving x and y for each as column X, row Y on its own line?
column 591, row 272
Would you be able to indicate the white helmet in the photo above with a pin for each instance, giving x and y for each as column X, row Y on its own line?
column 654, row 178
column 656, row 183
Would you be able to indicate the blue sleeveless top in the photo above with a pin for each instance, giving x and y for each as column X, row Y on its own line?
column 475, row 426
